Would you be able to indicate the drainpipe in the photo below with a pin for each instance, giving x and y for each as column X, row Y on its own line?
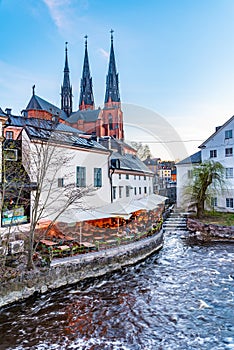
column 110, row 174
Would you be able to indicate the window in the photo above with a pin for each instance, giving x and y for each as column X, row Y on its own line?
column 119, row 176
column 9, row 135
column 120, row 191
column 114, row 192
column 190, row 174
column 228, row 134
column 127, row 176
column 110, row 122
column 228, row 152
column 127, row 191
column 134, row 177
column 61, row 182
column 144, row 177
column 80, row 176
column 139, row 177
column 145, row 190
column 229, row 202
column 213, row 153
column 214, row 202
column 11, row 154
column 135, row 191
column 229, row 173
column 97, row 177
column 139, row 190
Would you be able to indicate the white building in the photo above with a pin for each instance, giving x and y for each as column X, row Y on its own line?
column 184, row 173
column 218, row 147
column 70, row 161
column 130, row 178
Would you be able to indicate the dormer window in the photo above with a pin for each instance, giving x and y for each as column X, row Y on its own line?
column 228, row 134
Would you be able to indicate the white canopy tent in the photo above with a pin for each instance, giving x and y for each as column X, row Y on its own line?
column 151, row 202
column 120, row 209
column 117, row 209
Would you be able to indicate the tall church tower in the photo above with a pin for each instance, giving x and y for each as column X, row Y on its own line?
column 112, row 113
column 66, row 88
column 86, row 86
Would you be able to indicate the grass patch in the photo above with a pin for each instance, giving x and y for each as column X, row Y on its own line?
column 217, row 218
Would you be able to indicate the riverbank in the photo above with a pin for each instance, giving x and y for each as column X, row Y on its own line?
column 71, row 270
column 210, row 232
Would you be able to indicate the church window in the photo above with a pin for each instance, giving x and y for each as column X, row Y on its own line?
column 110, row 122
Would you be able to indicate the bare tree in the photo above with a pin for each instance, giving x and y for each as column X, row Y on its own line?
column 143, row 151
column 46, row 160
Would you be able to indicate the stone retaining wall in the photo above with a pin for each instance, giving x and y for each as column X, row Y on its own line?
column 74, row 269
column 211, row 231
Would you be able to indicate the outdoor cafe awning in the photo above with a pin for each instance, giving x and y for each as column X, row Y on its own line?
column 123, row 209
column 78, row 215
column 120, row 209
column 151, row 202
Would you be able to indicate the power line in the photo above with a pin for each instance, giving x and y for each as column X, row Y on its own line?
column 171, row 141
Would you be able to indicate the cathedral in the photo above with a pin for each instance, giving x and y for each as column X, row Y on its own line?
column 107, row 121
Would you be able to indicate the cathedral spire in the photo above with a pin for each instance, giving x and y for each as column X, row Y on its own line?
column 86, row 87
column 66, row 88
column 112, row 79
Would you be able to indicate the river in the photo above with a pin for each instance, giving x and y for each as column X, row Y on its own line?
column 180, row 298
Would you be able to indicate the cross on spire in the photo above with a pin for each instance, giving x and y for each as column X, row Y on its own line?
column 112, row 31
column 86, row 37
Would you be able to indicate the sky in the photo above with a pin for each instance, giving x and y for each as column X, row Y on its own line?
column 175, row 60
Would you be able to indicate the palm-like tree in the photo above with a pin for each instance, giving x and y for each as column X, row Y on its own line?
column 207, row 179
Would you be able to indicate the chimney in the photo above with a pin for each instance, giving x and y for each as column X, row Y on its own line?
column 8, row 111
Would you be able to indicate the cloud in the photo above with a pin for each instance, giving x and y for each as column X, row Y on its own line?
column 59, row 11
column 104, row 53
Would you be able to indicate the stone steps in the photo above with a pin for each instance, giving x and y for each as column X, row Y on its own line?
column 175, row 222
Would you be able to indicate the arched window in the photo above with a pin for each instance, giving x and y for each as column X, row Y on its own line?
column 110, row 122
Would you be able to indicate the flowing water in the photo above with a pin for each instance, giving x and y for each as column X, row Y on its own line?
column 180, row 298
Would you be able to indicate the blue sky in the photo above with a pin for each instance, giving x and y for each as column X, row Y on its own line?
column 174, row 57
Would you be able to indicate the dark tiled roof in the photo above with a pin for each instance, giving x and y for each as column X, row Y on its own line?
column 151, row 161
column 194, row 158
column 62, row 138
column 67, row 128
column 37, row 103
column 86, row 115
column 2, row 114
column 130, row 162
column 121, row 143
column 41, row 123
